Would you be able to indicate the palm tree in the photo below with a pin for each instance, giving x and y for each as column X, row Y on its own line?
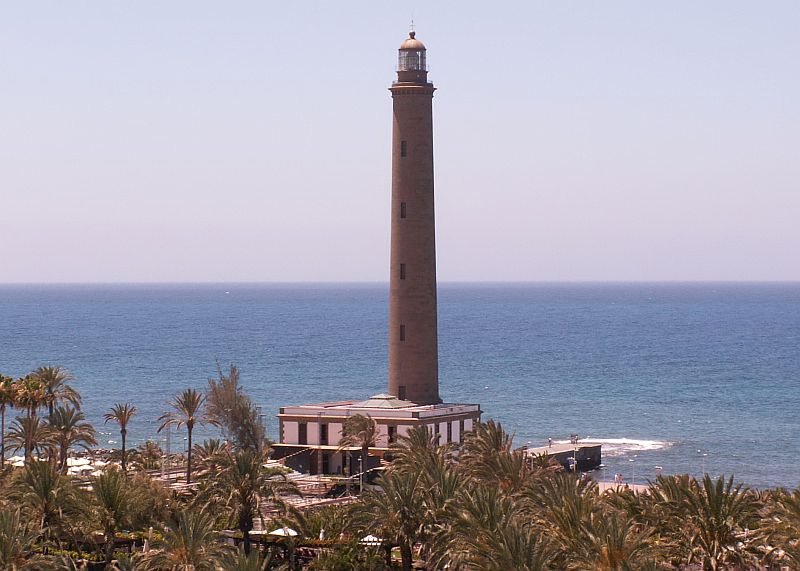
column 32, row 435
column 16, row 540
column 352, row 555
column 395, row 512
column 8, row 394
column 43, row 493
column 359, row 431
column 125, row 562
column 486, row 529
column 122, row 415
column 69, row 428
column 254, row 561
column 242, row 484
column 717, row 514
column 210, row 455
column 610, row 541
column 56, row 388
column 187, row 407
column 514, row 546
column 31, row 394
column 150, row 455
column 783, row 517
column 115, row 504
column 191, row 544
column 483, row 449
column 233, row 411
column 419, row 446
column 331, row 521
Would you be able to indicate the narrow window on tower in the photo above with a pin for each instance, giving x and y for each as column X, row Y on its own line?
column 402, row 271
column 449, row 432
column 302, row 433
column 392, row 434
column 402, row 390
column 403, row 149
column 402, row 333
column 402, row 210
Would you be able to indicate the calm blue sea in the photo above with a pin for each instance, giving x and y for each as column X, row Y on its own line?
column 683, row 376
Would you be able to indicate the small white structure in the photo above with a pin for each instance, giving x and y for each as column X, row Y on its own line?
column 371, row 540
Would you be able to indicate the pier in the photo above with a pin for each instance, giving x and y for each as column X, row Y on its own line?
column 573, row 457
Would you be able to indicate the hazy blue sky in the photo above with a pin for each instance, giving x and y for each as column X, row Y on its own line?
column 249, row 141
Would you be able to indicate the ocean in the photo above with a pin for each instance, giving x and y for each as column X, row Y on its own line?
column 690, row 377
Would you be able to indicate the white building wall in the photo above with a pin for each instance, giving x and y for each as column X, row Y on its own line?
column 313, row 433
column 290, row 434
column 334, row 433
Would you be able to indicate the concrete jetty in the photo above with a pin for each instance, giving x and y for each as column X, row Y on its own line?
column 584, row 457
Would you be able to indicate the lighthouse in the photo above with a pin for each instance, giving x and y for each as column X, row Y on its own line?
column 413, row 335
column 310, row 434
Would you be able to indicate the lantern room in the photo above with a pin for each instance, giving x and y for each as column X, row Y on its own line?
column 411, row 64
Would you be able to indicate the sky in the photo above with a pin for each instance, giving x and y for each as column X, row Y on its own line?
column 249, row 141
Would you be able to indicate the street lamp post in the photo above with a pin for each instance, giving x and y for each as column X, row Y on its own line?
column 702, row 462
column 633, row 468
column 169, row 450
column 360, row 474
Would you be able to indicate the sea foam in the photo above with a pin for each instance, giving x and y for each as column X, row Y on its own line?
column 623, row 446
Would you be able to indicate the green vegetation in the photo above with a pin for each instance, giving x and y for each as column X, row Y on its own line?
column 188, row 406
column 478, row 506
column 122, row 414
column 361, row 432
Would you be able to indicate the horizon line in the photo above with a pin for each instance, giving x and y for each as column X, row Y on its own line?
column 386, row 282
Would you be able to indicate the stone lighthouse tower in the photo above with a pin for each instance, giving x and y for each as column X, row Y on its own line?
column 413, row 349
column 310, row 434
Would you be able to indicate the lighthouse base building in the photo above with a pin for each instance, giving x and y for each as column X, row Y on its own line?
column 310, row 434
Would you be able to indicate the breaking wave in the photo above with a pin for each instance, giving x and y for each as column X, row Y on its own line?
column 623, row 446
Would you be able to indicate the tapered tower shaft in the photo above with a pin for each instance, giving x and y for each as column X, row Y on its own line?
column 413, row 336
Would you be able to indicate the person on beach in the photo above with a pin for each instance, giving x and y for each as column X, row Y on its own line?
column 549, row 442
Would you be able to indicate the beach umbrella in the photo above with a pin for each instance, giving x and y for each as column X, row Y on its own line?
column 283, row 532
column 371, row 540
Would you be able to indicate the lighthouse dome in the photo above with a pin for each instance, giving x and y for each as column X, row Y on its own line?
column 412, row 43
